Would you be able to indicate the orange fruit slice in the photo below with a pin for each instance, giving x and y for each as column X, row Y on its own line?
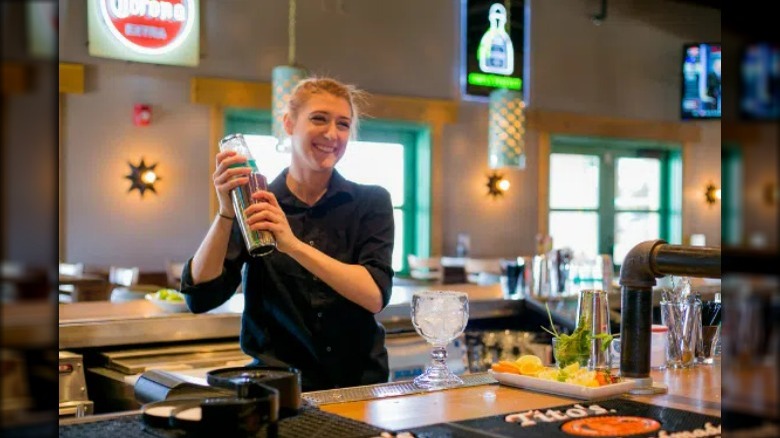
column 530, row 369
column 505, row 367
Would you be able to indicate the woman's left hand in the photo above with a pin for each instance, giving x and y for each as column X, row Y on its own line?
column 268, row 215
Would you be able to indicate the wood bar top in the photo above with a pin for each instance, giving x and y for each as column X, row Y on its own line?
column 696, row 389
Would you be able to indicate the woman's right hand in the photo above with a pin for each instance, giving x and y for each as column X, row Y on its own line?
column 227, row 178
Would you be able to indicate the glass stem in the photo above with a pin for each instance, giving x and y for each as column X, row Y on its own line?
column 439, row 357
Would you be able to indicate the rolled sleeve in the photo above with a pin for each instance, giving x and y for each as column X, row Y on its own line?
column 375, row 240
column 208, row 295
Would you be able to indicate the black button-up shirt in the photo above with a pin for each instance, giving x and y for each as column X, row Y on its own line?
column 292, row 316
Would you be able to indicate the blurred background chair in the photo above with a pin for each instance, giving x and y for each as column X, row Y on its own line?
column 425, row 268
column 76, row 284
column 123, row 276
column 123, row 280
column 483, row 271
column 71, row 269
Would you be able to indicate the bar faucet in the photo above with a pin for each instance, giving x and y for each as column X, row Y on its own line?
column 643, row 264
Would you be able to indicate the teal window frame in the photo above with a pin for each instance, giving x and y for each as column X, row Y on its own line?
column 416, row 140
column 607, row 151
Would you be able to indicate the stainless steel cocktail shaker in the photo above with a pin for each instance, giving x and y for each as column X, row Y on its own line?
column 258, row 243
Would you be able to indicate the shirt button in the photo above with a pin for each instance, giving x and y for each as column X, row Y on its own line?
column 319, row 314
column 311, row 242
column 328, row 349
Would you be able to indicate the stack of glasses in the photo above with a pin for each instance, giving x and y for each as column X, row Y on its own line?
column 694, row 327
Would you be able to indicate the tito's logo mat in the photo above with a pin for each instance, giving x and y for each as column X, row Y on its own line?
column 149, row 26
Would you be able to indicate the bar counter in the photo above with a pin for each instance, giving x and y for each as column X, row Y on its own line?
column 697, row 390
column 108, row 324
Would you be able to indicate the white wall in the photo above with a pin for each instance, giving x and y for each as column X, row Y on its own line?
column 628, row 67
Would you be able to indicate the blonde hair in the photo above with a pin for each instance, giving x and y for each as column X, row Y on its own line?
column 307, row 87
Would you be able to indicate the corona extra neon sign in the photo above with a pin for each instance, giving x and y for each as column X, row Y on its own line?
column 151, row 27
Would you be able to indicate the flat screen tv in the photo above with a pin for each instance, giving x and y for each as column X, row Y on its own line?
column 701, row 96
column 760, row 82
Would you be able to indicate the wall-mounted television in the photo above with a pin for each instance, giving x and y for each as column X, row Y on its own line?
column 759, row 97
column 701, row 81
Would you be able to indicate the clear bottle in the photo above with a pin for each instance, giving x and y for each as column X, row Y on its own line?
column 237, row 143
column 496, row 51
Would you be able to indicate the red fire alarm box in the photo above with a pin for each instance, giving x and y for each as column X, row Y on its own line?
column 142, row 114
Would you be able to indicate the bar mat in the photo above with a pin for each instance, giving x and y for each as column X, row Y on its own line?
column 382, row 390
column 614, row 417
column 310, row 422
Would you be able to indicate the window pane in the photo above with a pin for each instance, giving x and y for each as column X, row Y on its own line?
column 270, row 162
column 638, row 184
column 574, row 181
column 364, row 162
column 576, row 230
column 382, row 164
column 633, row 228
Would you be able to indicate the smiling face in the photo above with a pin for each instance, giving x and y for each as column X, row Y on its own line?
column 319, row 131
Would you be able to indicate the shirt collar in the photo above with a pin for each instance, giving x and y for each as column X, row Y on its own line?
column 338, row 184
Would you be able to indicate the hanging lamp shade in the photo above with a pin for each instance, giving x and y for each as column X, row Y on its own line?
column 506, row 130
column 284, row 79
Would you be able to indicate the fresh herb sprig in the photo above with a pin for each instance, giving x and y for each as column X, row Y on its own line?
column 571, row 347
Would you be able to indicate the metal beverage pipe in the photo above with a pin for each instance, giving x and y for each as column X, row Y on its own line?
column 643, row 264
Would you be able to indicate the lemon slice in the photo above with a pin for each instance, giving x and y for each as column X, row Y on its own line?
column 529, row 359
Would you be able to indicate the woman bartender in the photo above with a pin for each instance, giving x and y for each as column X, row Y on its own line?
column 311, row 303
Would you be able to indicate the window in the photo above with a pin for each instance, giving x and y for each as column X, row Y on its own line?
column 393, row 155
column 607, row 196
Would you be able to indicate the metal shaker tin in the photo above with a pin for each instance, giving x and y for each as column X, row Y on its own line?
column 258, row 243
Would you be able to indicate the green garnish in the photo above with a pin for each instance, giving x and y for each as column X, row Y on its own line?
column 571, row 348
column 169, row 295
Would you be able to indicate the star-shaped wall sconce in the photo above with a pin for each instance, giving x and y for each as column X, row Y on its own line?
column 497, row 185
column 142, row 177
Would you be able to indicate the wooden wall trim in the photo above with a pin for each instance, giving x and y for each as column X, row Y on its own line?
column 596, row 126
column 412, row 109
column 14, row 78
column 746, row 133
column 244, row 94
column 230, row 94
column 71, row 78
column 216, row 130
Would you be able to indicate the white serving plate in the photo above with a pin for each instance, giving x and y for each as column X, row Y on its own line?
column 561, row 388
column 169, row 306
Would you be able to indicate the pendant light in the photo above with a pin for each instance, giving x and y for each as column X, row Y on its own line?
column 506, row 130
column 284, row 78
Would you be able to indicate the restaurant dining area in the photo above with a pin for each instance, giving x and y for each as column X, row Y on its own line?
column 417, row 218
